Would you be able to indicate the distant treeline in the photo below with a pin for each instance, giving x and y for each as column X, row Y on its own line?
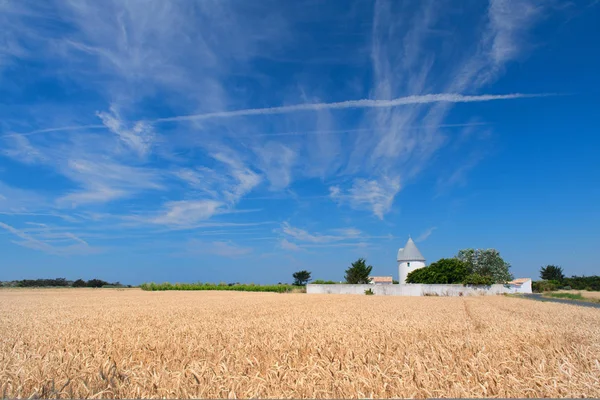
column 591, row 283
column 281, row 288
column 62, row 282
column 582, row 282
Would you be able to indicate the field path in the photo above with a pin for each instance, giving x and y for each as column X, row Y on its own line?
column 540, row 297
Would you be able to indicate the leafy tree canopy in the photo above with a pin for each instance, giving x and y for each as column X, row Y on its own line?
column 476, row 279
column 79, row 283
column 486, row 263
column 359, row 272
column 301, row 278
column 552, row 273
column 583, row 282
column 96, row 283
column 445, row 270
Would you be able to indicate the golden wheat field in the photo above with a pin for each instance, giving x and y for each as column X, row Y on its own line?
column 103, row 343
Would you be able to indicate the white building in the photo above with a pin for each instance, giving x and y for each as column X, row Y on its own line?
column 409, row 259
column 520, row 285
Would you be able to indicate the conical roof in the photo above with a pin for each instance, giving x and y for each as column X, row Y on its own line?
column 410, row 252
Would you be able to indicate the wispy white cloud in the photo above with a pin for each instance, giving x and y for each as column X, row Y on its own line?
column 276, row 161
column 90, row 162
column 139, row 137
column 14, row 200
column 187, row 136
column 318, row 132
column 509, row 23
column 92, row 194
column 303, row 239
column 376, row 196
column 287, row 245
column 244, row 179
column 347, row 232
column 357, row 245
column 219, row 248
column 103, row 180
column 187, row 212
column 18, row 146
column 305, row 236
column 197, row 228
column 49, row 240
column 423, row 236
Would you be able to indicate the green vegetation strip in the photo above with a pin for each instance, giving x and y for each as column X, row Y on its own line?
column 212, row 286
column 572, row 296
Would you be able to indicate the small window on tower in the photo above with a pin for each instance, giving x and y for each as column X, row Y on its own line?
column 408, row 264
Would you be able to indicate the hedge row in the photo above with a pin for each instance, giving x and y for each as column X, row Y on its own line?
column 211, row 286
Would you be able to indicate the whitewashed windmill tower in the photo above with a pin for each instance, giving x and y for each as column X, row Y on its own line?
column 409, row 259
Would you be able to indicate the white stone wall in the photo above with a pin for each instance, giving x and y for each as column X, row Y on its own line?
column 418, row 289
column 404, row 269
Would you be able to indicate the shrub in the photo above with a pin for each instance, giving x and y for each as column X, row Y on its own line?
column 211, row 286
column 544, row 286
column 323, row 282
column 369, row 292
column 476, row 279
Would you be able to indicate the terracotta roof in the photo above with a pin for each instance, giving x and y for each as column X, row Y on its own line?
column 519, row 281
column 381, row 279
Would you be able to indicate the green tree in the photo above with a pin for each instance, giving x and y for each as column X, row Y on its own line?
column 486, row 263
column 301, row 278
column 445, row 270
column 96, row 283
column 79, row 283
column 552, row 273
column 359, row 272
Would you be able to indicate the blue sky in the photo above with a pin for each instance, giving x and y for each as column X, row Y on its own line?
column 243, row 141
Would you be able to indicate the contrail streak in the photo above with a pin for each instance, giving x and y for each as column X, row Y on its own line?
column 58, row 129
column 364, row 103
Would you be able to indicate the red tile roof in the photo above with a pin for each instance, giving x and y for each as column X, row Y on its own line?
column 381, row 279
column 519, row 281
